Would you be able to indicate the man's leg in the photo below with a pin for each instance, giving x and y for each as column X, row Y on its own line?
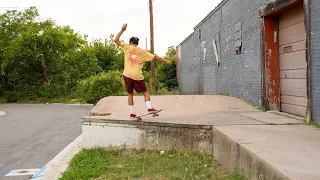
column 131, row 103
column 146, row 96
column 129, row 88
column 140, row 86
column 148, row 101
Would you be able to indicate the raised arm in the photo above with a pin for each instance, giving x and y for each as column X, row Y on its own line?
column 157, row 58
column 117, row 39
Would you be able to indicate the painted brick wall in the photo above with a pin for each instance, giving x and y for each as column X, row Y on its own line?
column 188, row 67
column 315, row 56
column 237, row 75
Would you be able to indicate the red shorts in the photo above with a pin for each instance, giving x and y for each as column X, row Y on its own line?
column 138, row 85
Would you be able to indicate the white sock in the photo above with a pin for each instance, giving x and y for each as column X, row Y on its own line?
column 149, row 104
column 131, row 109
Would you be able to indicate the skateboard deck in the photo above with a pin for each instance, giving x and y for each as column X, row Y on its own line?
column 154, row 114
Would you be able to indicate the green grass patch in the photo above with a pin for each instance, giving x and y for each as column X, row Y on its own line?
column 314, row 124
column 282, row 124
column 98, row 164
column 224, row 94
column 62, row 100
column 2, row 100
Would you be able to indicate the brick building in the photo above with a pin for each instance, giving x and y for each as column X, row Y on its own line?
column 264, row 51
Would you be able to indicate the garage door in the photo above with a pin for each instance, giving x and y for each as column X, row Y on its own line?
column 293, row 84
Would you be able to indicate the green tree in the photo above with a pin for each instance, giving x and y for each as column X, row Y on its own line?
column 109, row 55
column 166, row 74
column 37, row 54
column 12, row 23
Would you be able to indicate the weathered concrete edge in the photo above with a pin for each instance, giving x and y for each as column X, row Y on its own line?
column 234, row 156
column 87, row 119
column 227, row 151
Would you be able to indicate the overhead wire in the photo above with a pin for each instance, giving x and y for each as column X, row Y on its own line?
column 57, row 5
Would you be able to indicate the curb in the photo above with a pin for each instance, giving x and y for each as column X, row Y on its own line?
column 54, row 168
column 232, row 155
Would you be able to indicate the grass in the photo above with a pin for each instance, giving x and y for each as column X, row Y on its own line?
column 224, row 94
column 63, row 100
column 314, row 124
column 2, row 100
column 98, row 164
column 288, row 124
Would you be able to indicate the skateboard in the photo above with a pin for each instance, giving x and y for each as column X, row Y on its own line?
column 154, row 114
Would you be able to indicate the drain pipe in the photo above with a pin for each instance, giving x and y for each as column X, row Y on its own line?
column 308, row 58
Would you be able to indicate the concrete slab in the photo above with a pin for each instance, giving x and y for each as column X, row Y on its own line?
column 178, row 105
column 243, row 137
column 293, row 150
column 190, row 109
column 271, row 118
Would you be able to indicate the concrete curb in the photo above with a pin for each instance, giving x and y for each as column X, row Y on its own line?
column 234, row 156
column 54, row 168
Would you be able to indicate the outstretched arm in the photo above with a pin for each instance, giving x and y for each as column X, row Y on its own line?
column 117, row 39
column 157, row 58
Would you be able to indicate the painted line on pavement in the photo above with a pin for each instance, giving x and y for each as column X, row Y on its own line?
column 4, row 172
column 2, row 113
column 40, row 173
column 22, row 172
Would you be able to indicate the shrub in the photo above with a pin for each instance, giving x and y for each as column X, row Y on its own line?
column 12, row 96
column 99, row 86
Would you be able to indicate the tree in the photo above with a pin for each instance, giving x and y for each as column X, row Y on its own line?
column 171, row 52
column 39, row 53
column 12, row 23
column 109, row 55
column 166, row 74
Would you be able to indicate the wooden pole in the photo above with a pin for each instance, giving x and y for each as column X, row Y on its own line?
column 152, row 46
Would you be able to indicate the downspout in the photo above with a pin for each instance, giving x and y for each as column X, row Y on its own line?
column 262, row 64
column 308, row 58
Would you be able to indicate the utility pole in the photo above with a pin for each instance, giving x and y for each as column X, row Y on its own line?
column 152, row 46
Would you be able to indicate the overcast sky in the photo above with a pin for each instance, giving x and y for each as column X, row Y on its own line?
column 173, row 19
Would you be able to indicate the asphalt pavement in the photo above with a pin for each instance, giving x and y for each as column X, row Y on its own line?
column 32, row 135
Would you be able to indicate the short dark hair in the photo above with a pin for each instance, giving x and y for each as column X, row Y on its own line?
column 134, row 40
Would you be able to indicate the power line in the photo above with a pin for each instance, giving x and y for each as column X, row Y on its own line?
column 56, row 5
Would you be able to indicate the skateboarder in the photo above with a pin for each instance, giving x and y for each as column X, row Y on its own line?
column 134, row 58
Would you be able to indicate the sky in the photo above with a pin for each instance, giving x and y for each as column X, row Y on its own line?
column 174, row 20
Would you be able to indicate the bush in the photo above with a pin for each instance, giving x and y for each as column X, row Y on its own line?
column 99, row 86
column 22, row 93
column 12, row 96
column 51, row 91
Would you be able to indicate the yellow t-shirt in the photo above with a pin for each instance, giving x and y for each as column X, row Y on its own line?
column 134, row 58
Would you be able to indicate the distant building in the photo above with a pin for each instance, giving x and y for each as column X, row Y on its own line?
column 264, row 51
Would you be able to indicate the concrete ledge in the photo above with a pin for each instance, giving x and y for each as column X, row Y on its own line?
column 269, row 151
column 105, row 122
column 149, row 135
column 233, row 156
column 262, row 152
column 264, row 145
